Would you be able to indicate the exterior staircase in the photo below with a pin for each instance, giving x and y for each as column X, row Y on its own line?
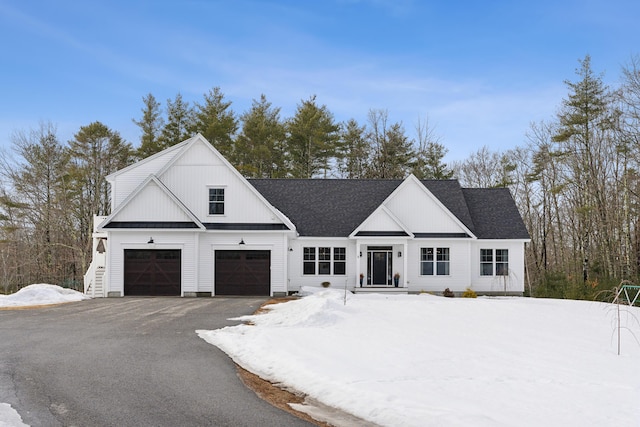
column 94, row 278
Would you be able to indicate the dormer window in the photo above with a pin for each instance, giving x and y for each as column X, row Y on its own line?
column 216, row 201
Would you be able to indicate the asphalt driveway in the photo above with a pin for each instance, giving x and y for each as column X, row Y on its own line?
column 127, row 362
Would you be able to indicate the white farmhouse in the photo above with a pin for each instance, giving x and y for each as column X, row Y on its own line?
column 184, row 222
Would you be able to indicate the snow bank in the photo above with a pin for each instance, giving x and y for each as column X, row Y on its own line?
column 422, row 360
column 41, row 294
column 9, row 417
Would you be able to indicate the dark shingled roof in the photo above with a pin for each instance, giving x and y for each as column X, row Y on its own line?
column 335, row 207
column 325, row 207
column 495, row 214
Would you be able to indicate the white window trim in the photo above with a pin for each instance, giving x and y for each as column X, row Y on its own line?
column 224, row 202
column 435, row 261
column 332, row 261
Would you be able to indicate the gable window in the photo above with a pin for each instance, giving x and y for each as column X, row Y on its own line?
column 216, row 201
column 434, row 261
column 324, row 261
column 494, row 262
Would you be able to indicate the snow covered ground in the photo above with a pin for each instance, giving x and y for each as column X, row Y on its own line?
column 422, row 360
column 40, row 294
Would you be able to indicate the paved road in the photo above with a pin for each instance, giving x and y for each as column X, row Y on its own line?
column 127, row 362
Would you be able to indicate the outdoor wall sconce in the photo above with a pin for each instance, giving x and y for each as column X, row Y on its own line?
column 399, row 254
column 241, row 242
column 150, row 240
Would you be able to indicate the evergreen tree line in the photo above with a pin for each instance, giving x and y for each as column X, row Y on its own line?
column 311, row 144
column 575, row 178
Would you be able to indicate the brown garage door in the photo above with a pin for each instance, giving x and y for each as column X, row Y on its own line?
column 152, row 272
column 243, row 273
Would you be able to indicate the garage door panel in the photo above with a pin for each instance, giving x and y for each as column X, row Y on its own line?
column 152, row 272
column 243, row 273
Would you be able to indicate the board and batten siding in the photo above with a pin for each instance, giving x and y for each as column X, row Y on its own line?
column 126, row 181
column 137, row 239
column 380, row 220
column 419, row 211
column 191, row 183
column 152, row 204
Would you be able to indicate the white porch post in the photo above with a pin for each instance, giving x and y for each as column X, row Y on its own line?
column 358, row 263
column 405, row 264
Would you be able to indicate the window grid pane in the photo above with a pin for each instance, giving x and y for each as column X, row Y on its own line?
column 324, row 267
column 309, row 267
column 324, row 254
column 502, row 269
column 486, row 269
column 309, row 254
column 442, row 254
column 502, row 255
column 340, row 267
column 426, row 269
column 486, row 255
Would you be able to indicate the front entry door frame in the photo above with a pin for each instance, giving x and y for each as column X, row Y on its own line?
column 379, row 266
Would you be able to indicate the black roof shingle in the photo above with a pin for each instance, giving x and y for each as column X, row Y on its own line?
column 335, row 207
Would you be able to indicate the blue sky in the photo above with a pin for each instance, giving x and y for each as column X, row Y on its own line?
column 481, row 71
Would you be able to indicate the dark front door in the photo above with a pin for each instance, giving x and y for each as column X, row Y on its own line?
column 243, row 273
column 152, row 272
column 379, row 266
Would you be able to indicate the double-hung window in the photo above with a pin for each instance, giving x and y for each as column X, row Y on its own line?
column 435, row 261
column 339, row 260
column 494, row 262
column 309, row 261
column 324, row 261
column 216, row 201
column 502, row 262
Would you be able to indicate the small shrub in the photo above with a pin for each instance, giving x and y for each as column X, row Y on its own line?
column 326, row 284
column 469, row 293
column 448, row 293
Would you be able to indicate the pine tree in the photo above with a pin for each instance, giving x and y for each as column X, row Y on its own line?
column 216, row 122
column 260, row 146
column 151, row 125
column 356, row 150
column 180, row 122
column 313, row 140
column 582, row 132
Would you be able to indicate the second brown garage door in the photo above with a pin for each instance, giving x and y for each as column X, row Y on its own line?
column 243, row 273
